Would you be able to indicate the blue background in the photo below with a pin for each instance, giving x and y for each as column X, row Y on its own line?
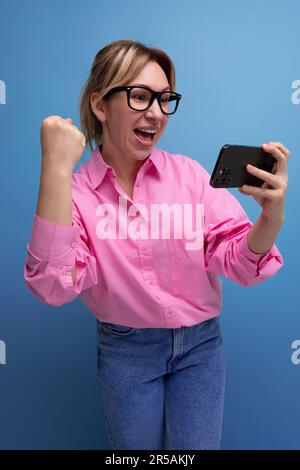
column 235, row 64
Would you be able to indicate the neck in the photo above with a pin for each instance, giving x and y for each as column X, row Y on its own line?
column 126, row 169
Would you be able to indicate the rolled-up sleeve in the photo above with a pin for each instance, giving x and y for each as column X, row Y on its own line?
column 225, row 240
column 52, row 253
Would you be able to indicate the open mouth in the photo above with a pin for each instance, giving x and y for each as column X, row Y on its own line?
column 145, row 137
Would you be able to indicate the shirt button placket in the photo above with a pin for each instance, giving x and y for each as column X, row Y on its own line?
column 145, row 248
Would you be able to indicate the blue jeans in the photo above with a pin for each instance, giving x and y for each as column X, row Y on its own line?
column 162, row 388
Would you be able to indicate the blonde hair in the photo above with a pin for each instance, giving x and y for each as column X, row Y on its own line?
column 116, row 65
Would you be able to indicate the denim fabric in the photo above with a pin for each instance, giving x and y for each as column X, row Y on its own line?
column 162, row 388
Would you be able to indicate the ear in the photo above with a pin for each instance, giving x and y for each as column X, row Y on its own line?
column 98, row 107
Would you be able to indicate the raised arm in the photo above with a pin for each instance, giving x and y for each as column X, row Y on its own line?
column 59, row 264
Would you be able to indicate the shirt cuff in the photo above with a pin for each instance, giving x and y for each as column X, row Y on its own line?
column 251, row 255
column 53, row 242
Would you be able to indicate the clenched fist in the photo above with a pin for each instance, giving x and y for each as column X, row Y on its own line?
column 62, row 143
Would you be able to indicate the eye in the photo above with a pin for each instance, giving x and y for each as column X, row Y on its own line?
column 139, row 95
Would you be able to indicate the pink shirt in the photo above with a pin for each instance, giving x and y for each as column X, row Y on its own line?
column 134, row 277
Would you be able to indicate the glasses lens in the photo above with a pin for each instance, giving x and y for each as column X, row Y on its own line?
column 140, row 98
column 168, row 101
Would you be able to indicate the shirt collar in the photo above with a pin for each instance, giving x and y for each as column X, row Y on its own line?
column 97, row 167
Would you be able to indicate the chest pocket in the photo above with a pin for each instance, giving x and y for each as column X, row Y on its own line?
column 187, row 256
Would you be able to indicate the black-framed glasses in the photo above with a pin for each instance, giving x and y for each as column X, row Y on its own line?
column 141, row 98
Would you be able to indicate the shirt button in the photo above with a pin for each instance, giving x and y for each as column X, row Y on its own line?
column 73, row 244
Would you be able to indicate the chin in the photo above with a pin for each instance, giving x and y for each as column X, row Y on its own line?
column 141, row 154
column 144, row 156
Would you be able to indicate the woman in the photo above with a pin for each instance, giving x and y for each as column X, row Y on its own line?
column 156, row 294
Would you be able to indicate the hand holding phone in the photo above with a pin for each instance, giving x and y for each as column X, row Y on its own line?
column 230, row 168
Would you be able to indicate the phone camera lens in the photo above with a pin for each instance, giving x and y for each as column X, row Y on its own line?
column 226, row 180
column 226, row 171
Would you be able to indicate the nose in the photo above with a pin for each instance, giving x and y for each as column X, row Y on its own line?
column 155, row 110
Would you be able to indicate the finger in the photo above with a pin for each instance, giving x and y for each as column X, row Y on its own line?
column 278, row 155
column 286, row 152
column 281, row 147
column 274, row 169
column 259, row 192
column 267, row 177
column 264, row 185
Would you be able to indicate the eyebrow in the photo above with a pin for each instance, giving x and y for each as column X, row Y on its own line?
column 142, row 84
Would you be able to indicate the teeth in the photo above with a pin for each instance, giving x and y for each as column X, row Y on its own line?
column 150, row 131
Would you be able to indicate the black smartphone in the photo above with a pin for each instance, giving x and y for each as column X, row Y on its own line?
column 230, row 168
